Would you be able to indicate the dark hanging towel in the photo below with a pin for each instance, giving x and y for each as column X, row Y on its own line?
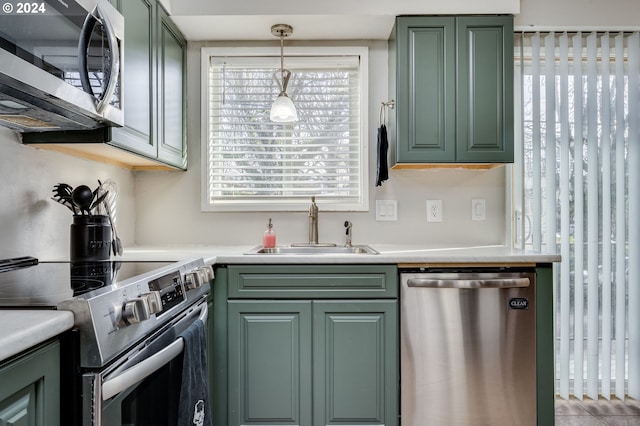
column 383, row 147
column 193, row 406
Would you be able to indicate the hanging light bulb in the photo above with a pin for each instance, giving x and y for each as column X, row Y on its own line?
column 283, row 110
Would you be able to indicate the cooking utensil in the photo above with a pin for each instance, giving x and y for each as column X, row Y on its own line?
column 62, row 194
column 82, row 197
column 108, row 192
column 97, row 201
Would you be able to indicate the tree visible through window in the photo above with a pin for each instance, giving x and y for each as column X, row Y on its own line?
column 255, row 164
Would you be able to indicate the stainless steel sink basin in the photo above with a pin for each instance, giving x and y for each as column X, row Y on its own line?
column 313, row 250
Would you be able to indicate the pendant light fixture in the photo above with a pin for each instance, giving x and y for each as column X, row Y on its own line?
column 283, row 110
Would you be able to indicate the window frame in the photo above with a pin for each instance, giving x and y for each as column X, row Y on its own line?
column 290, row 51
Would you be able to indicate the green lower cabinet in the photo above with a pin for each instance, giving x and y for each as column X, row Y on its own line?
column 354, row 362
column 312, row 362
column 544, row 345
column 30, row 388
column 269, row 363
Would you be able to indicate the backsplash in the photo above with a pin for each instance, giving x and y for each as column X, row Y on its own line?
column 31, row 224
column 168, row 212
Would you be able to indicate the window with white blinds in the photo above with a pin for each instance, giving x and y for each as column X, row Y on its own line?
column 254, row 164
column 579, row 168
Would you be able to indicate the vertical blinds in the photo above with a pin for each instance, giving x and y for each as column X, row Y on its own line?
column 580, row 170
column 252, row 160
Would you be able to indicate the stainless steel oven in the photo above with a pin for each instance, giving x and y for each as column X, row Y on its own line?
column 124, row 359
column 143, row 386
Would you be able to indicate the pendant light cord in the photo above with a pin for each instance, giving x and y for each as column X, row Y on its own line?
column 282, row 55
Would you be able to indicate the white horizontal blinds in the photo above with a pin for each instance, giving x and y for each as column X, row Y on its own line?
column 581, row 159
column 253, row 159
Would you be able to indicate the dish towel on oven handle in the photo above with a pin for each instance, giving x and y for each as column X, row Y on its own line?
column 193, row 407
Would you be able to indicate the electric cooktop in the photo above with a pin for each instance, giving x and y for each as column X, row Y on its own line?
column 30, row 283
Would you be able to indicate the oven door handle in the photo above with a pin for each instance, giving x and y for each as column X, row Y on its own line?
column 146, row 367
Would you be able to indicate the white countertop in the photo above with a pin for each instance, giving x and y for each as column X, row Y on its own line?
column 21, row 329
column 388, row 254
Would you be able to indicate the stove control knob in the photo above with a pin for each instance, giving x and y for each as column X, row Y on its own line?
column 141, row 308
column 135, row 311
column 192, row 280
column 207, row 273
column 153, row 300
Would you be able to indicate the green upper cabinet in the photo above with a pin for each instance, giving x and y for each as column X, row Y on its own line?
column 453, row 88
column 154, row 84
column 30, row 388
column 171, row 106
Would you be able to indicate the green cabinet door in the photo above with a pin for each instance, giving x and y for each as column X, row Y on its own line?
column 30, row 388
column 171, row 93
column 453, row 89
column 154, row 85
column 355, row 363
column 425, row 89
column 484, row 99
column 269, row 363
column 139, row 95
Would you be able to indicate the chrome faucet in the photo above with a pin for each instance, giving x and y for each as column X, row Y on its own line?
column 348, row 225
column 313, row 222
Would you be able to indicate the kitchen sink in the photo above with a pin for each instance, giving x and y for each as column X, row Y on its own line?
column 312, row 250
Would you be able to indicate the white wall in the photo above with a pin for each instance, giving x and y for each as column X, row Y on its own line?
column 578, row 15
column 30, row 222
column 168, row 203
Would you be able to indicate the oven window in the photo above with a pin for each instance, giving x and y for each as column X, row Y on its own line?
column 153, row 402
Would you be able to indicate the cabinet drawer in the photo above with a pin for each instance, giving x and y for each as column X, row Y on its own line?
column 313, row 281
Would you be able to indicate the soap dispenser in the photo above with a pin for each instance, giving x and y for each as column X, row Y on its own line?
column 269, row 237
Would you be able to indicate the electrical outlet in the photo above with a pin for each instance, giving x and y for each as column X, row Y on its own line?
column 386, row 210
column 478, row 209
column 434, row 210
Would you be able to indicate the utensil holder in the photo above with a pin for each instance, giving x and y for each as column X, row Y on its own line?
column 90, row 238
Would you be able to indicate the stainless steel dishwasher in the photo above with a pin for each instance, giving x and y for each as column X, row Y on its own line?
column 468, row 349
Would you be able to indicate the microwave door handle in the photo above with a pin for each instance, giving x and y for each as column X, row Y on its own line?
column 146, row 367
column 83, row 51
column 114, row 66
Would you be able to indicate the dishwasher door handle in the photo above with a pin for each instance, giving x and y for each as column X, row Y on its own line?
column 468, row 284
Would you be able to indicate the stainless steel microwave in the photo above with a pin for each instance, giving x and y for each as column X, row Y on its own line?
column 60, row 65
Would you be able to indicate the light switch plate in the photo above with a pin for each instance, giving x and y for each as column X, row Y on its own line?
column 478, row 209
column 386, row 210
column 434, row 210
